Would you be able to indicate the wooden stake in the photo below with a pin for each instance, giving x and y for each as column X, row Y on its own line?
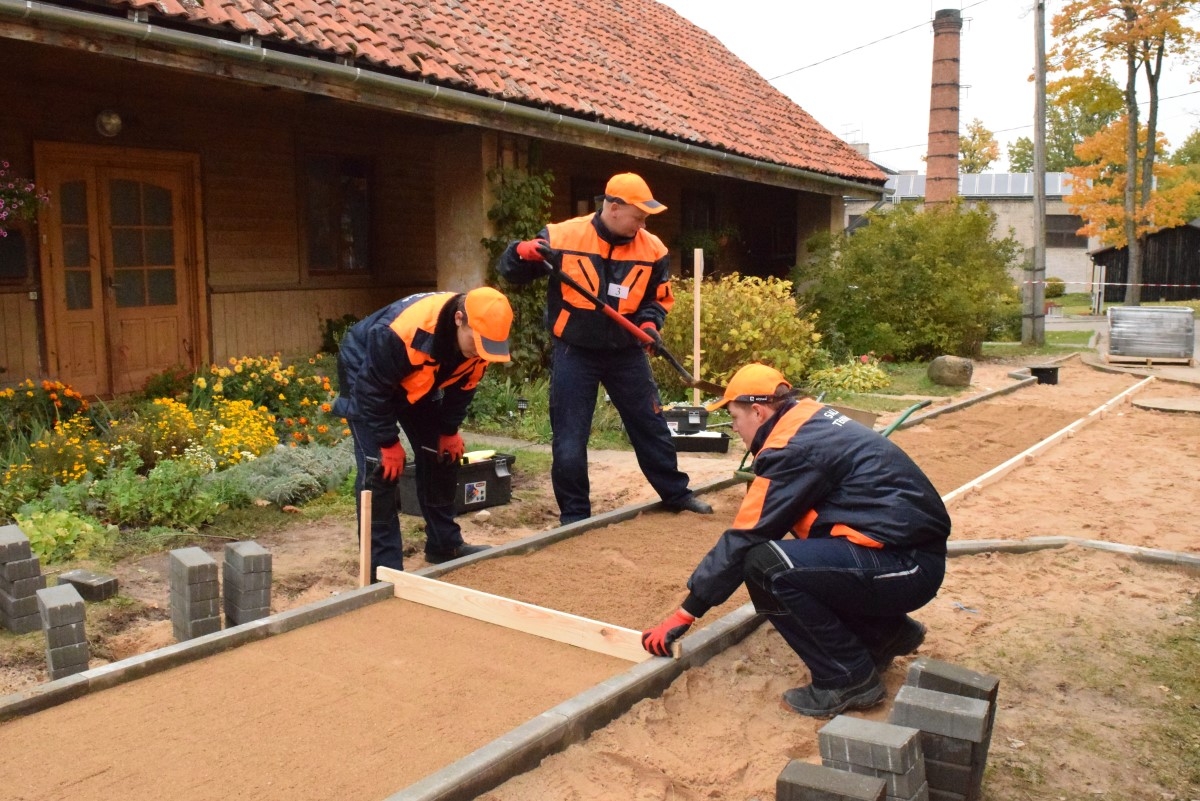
column 697, row 277
column 364, row 538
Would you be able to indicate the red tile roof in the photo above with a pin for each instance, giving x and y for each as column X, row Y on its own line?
column 632, row 63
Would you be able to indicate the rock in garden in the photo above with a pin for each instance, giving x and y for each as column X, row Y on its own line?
column 483, row 516
column 951, row 371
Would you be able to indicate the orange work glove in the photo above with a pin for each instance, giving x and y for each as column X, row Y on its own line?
column 534, row 250
column 659, row 639
column 391, row 461
column 450, row 447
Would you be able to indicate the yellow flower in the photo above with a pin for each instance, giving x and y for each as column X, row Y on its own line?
column 200, row 382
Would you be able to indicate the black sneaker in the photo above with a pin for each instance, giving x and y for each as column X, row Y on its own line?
column 816, row 702
column 906, row 641
column 437, row 557
column 692, row 504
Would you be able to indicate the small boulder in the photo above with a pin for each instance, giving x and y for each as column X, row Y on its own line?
column 951, row 371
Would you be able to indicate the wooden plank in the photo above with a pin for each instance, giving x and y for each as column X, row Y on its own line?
column 1027, row 456
column 537, row 620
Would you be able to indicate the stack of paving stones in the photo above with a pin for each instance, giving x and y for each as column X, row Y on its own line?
column 933, row 748
column 20, row 578
column 955, row 709
column 881, row 750
column 247, row 579
column 62, row 615
column 195, row 594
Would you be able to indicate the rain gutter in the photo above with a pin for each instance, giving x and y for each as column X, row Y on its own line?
column 144, row 32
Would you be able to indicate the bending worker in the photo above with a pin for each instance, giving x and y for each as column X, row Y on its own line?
column 416, row 363
column 629, row 269
column 870, row 544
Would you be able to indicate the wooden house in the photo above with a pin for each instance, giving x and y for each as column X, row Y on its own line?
column 225, row 175
column 1171, row 270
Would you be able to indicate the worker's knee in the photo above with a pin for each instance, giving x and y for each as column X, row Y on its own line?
column 762, row 564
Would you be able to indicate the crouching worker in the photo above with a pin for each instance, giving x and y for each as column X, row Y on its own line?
column 870, row 544
column 416, row 363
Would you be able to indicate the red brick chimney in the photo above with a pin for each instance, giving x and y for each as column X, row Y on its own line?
column 941, row 159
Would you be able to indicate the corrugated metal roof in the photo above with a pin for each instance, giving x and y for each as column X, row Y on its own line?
column 988, row 184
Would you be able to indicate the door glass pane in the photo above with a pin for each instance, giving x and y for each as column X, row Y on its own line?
column 131, row 288
column 127, row 247
column 160, row 246
column 156, row 205
column 73, row 199
column 79, row 290
column 162, row 287
column 75, row 247
column 125, row 198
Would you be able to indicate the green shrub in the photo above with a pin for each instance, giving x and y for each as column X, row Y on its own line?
column 1005, row 325
column 285, row 475
column 173, row 493
column 862, row 374
column 912, row 284
column 742, row 320
column 1055, row 287
column 333, row 331
column 59, row 536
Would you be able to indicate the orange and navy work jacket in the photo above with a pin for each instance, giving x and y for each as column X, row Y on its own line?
column 630, row 274
column 400, row 356
column 820, row 474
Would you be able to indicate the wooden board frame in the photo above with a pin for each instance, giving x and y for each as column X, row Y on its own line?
column 563, row 627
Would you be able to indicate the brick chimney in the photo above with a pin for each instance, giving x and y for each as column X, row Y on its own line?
column 941, row 160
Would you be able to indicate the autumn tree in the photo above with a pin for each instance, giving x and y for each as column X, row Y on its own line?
column 1098, row 189
column 1187, row 158
column 1077, row 106
column 1139, row 35
column 978, row 149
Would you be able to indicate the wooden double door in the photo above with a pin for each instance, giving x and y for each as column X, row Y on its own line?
column 121, row 267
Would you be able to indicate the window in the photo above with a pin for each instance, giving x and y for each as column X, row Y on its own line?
column 1060, row 231
column 14, row 257
column 338, row 194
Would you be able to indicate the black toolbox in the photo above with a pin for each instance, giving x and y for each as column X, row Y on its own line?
column 686, row 419
column 481, row 484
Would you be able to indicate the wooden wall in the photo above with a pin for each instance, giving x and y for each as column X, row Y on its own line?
column 19, row 345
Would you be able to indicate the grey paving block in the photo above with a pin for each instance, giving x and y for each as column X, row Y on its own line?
column 191, row 566
column 187, row 630
column 247, row 557
column 941, row 795
column 803, row 781
column 18, row 607
column 69, row 634
column 200, row 591
column 21, row 625
column 922, row 794
column 245, row 581
column 14, row 545
column 236, row 615
column 947, row 749
column 941, row 713
column 66, row 670
column 20, row 569
column 248, row 598
column 79, row 653
column 934, row 674
column 946, row 777
column 195, row 610
column 60, row 605
column 870, row 743
column 92, row 586
column 23, row 588
column 899, row 785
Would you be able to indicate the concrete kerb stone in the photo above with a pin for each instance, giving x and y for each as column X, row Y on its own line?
column 1187, row 561
column 573, row 720
column 954, row 407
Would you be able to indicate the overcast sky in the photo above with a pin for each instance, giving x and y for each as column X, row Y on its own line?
column 827, row 58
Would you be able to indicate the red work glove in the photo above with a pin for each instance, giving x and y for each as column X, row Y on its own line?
column 659, row 639
column 391, row 461
column 534, row 250
column 450, row 447
column 652, row 347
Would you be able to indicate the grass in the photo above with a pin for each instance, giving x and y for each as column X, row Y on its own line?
column 1175, row 742
column 1057, row 342
column 1079, row 304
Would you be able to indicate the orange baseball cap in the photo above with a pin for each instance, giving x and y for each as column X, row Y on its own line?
column 630, row 188
column 754, row 383
column 490, row 317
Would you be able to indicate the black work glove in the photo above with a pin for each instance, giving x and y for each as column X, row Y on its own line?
column 655, row 346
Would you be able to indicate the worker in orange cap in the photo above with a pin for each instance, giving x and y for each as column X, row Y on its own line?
column 870, row 544
column 416, row 363
column 629, row 269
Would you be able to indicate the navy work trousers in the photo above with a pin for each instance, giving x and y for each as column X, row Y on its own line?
column 442, row 532
column 835, row 602
column 576, row 375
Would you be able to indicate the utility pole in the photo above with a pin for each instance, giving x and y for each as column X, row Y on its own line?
column 1033, row 322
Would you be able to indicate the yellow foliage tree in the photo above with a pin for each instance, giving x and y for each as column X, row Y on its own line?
column 978, row 149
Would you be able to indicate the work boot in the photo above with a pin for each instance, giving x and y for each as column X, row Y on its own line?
column 692, row 504
column 817, row 702
column 907, row 640
column 437, row 557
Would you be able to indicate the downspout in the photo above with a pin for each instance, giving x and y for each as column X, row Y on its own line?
column 58, row 16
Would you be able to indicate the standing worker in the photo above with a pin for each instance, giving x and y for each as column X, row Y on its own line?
column 870, row 544
column 416, row 363
column 629, row 269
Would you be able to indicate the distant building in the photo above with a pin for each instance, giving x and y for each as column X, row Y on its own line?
column 1170, row 271
column 1010, row 197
